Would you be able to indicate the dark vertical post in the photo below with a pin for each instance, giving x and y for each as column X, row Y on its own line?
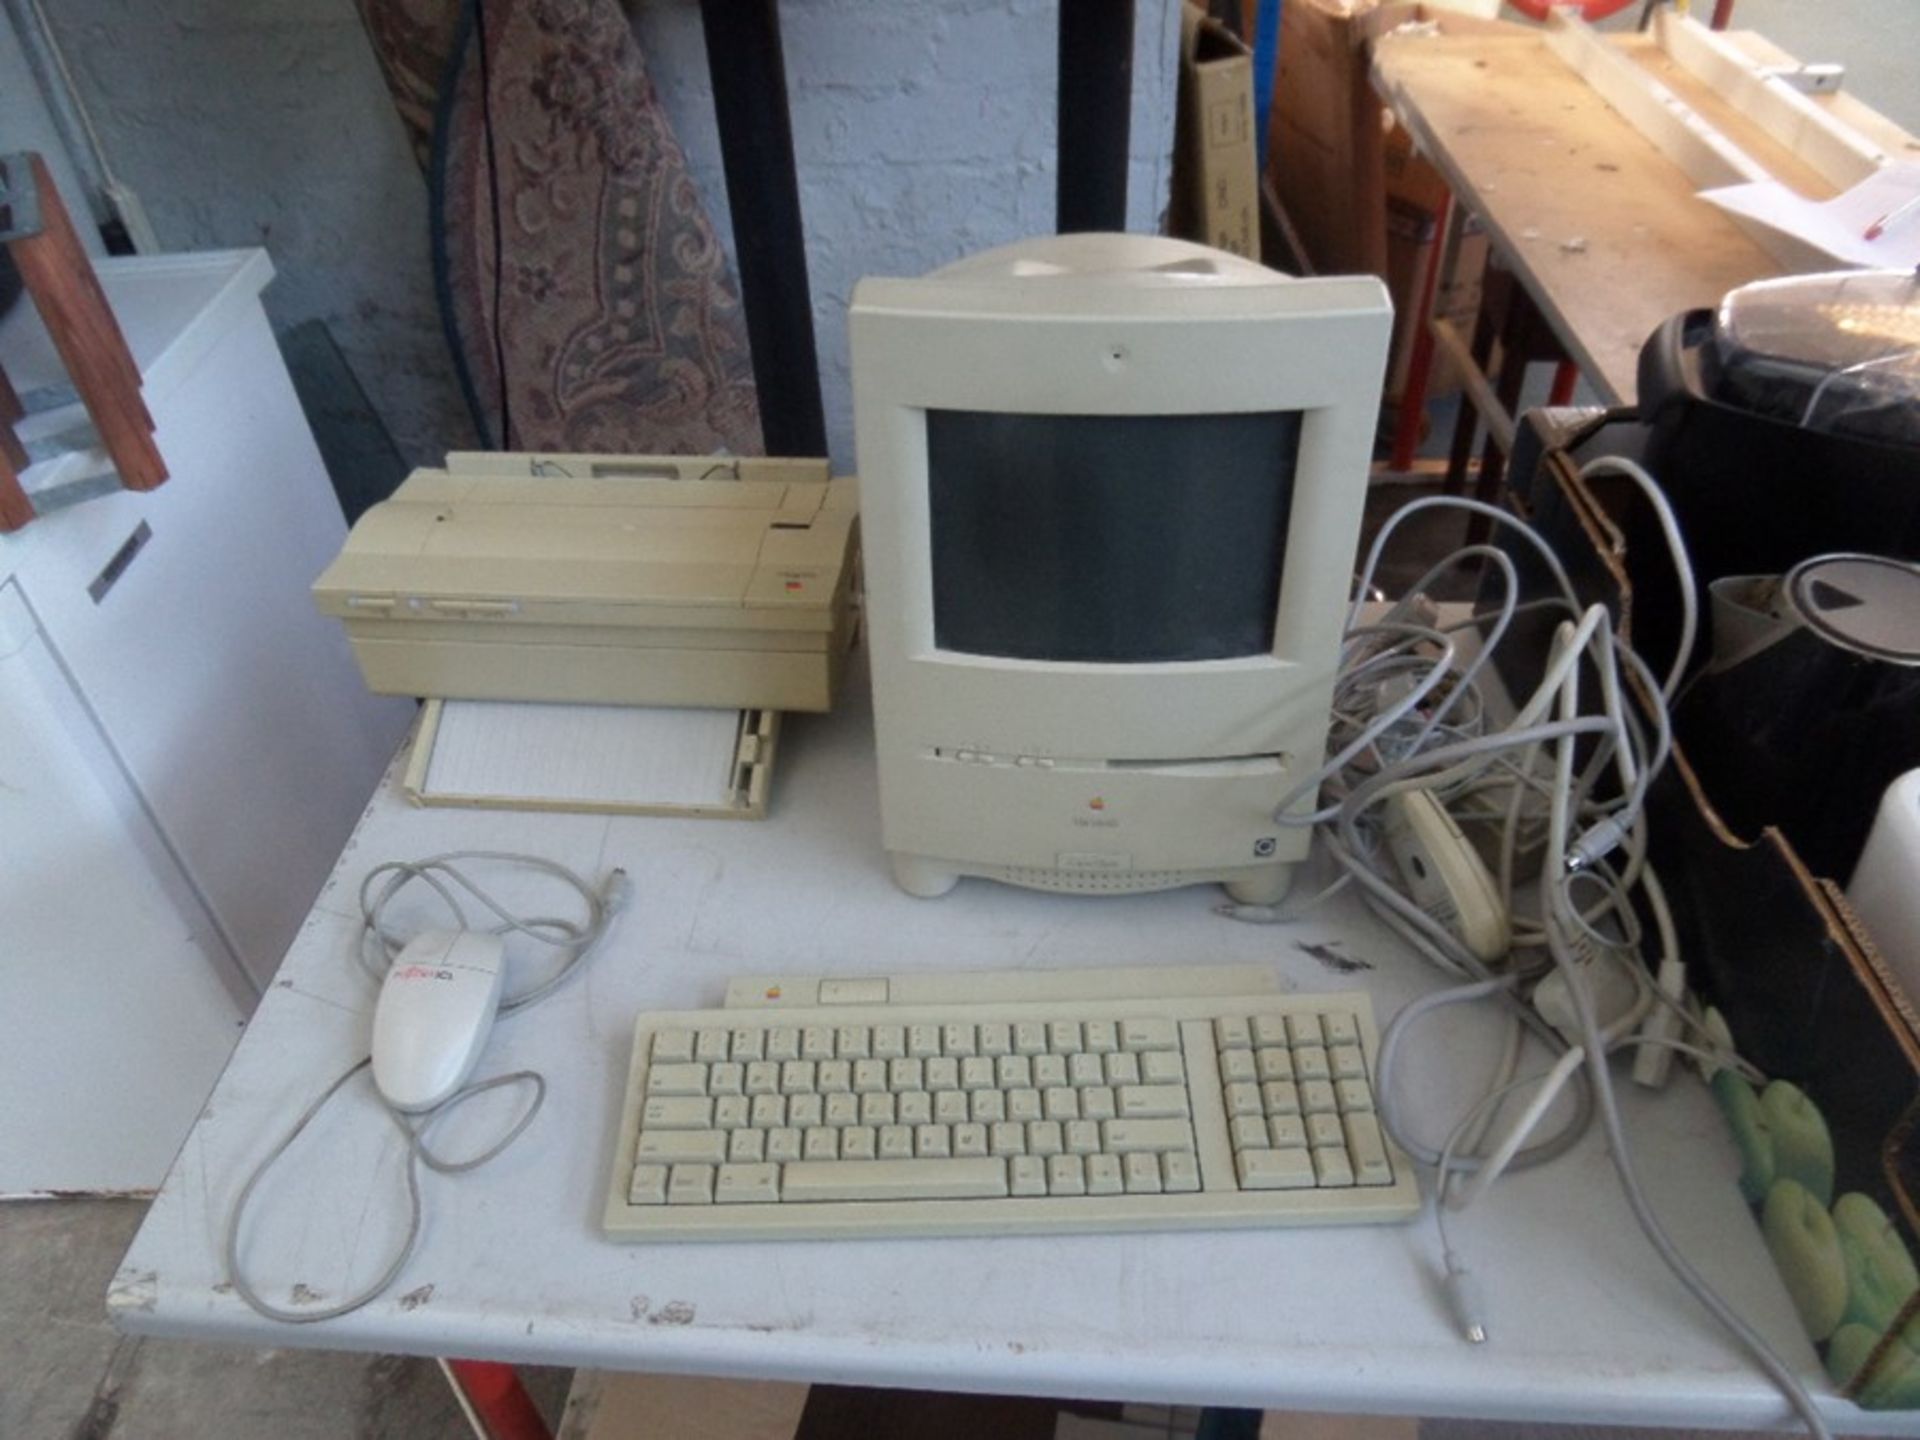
column 756, row 145
column 1096, row 104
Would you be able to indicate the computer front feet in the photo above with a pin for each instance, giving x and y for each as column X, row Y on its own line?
column 917, row 875
column 1266, row 886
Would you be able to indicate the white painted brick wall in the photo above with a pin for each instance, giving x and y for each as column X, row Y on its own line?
column 922, row 133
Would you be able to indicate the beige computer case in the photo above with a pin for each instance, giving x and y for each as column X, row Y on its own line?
column 597, row 579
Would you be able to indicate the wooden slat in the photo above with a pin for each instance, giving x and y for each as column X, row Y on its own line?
column 74, row 309
column 15, row 508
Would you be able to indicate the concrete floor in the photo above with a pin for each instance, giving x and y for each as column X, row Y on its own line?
column 65, row 1375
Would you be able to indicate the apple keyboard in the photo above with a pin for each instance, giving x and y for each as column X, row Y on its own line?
column 1004, row 1103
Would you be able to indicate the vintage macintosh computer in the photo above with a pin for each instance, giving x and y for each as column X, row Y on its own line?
column 1111, row 493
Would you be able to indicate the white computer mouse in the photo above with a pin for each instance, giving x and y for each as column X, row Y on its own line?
column 435, row 1010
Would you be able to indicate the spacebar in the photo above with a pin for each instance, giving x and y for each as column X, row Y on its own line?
column 893, row 1180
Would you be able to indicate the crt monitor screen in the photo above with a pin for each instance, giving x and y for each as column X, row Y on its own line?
column 1108, row 538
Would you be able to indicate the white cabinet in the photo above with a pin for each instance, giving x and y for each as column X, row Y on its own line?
column 197, row 739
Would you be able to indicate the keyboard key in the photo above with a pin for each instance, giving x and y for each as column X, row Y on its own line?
column 889, row 1042
column 1063, row 1037
column 1049, row 1072
column 896, row 1142
column 783, row 1144
column 1122, row 1068
column 1023, row 1105
column 950, row 1107
column 667, row 1147
column 1368, row 1151
column 958, row 1039
column 1103, row 1175
column 1061, row 1103
column 747, row 1147
column 833, row 1075
column 968, row 1141
column 915, row 1107
column 869, row 1076
column 648, row 1186
column 1153, row 1034
column 1124, row 1137
column 1304, row 1029
column 1280, row 1097
column 796, row 1077
column 1082, row 1136
column 1345, row 1062
column 1008, row 1137
column 783, row 1043
column 1331, row 1167
column 1100, row 1036
column 976, row 1073
column 672, row 1047
column 1179, row 1172
column 677, row 1080
column 1273, row 1063
column 943, row 1073
column 747, row 1045
column 1030, row 1038
column 1163, row 1067
column 1237, row 1066
column 1316, row 1097
column 989, row 1106
column 677, row 1113
column 895, row 1180
column 1097, row 1103
column 1152, row 1102
column 1065, row 1175
column 1244, row 1100
column 730, row 1112
column 1310, row 1063
column 1231, row 1032
column 877, row 1109
column 858, row 1142
column 747, row 1185
column 763, row 1078
column 1339, row 1028
column 1086, row 1069
column 1325, row 1130
column 1287, row 1132
column 710, row 1045
column 726, row 1079
column 1248, row 1132
column 1142, row 1174
column 816, row 1043
column 931, row 1142
column 996, row 1038
column 1044, row 1137
column 1027, row 1175
column 805, row 1111
column 906, row 1074
column 690, row 1185
column 1269, row 1030
column 843, row 1110
column 1353, row 1095
column 923, row 1040
column 1274, row 1169
column 769, row 1112
column 820, row 1144
column 1014, row 1072
column 853, row 1042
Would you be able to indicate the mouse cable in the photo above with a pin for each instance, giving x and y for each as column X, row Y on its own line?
column 577, row 938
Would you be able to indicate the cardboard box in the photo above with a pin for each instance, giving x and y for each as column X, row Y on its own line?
column 1830, row 1147
column 1216, row 197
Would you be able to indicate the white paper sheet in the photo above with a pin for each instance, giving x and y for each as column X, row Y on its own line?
column 575, row 754
column 1838, row 227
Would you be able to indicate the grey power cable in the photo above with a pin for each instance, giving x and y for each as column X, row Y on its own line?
column 576, row 939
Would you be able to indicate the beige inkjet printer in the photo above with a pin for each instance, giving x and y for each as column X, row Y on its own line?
column 617, row 580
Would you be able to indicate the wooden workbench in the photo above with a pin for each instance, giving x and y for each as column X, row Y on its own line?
column 1602, row 228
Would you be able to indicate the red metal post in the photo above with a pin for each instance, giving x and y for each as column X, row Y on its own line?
column 499, row 1399
column 1565, row 376
column 1413, row 398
